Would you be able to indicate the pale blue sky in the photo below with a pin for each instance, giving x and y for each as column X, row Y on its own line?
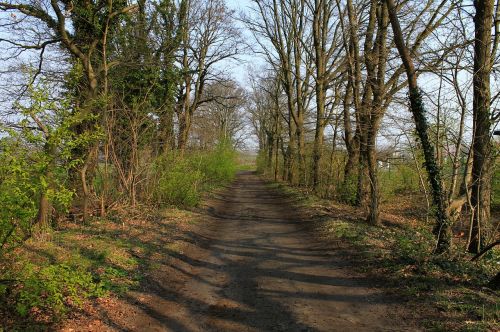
column 237, row 4
column 239, row 71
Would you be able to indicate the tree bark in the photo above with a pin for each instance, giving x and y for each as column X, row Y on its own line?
column 481, row 145
column 442, row 229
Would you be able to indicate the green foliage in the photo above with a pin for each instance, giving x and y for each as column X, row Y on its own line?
column 261, row 162
column 495, row 195
column 183, row 178
column 179, row 181
column 404, row 254
column 399, row 179
column 17, row 192
column 219, row 166
column 35, row 160
column 112, row 279
column 347, row 190
column 345, row 230
column 55, row 288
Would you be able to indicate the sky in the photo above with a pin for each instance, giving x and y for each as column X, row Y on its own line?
column 240, row 70
column 237, row 3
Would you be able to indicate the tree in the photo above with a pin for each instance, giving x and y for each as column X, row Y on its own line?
column 88, row 20
column 208, row 37
column 221, row 120
column 280, row 28
column 481, row 140
column 442, row 230
column 328, row 66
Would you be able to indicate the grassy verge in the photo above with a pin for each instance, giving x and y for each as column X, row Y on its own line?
column 446, row 292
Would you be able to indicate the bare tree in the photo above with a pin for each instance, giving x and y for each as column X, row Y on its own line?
column 209, row 36
column 443, row 227
column 481, row 141
column 280, row 28
column 221, row 119
column 329, row 64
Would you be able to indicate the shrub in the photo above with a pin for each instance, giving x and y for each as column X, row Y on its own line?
column 496, row 188
column 399, row 179
column 218, row 166
column 182, row 178
column 261, row 162
column 17, row 190
column 179, row 182
column 34, row 161
column 347, row 190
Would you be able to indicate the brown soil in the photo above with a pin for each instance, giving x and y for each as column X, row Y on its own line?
column 251, row 264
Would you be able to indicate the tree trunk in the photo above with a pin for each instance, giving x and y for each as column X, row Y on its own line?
column 166, row 132
column 374, row 210
column 362, row 184
column 481, row 146
column 301, row 146
column 442, row 230
column 184, row 127
column 292, row 176
column 353, row 91
column 318, row 136
column 320, row 26
column 43, row 216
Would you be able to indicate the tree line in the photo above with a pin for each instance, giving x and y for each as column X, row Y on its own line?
column 348, row 70
column 102, row 98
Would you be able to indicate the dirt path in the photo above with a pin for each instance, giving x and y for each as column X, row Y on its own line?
column 253, row 266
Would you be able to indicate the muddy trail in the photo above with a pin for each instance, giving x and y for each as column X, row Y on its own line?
column 253, row 264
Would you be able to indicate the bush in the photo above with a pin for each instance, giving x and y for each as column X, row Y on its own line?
column 400, row 179
column 261, row 162
column 179, row 181
column 219, row 166
column 182, row 178
column 17, row 193
column 347, row 190
column 34, row 162
column 496, row 188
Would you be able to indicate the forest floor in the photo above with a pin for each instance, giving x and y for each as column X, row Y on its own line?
column 250, row 262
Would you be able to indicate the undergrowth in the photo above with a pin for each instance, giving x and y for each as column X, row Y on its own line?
column 44, row 281
column 451, row 282
column 182, row 178
column 48, row 277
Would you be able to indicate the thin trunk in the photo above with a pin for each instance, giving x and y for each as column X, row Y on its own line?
column 481, row 160
column 320, row 26
column 351, row 96
column 458, row 145
column 374, row 211
column 349, row 141
column 442, row 230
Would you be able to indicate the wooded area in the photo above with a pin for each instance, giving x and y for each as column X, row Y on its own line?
column 112, row 105
column 341, row 65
